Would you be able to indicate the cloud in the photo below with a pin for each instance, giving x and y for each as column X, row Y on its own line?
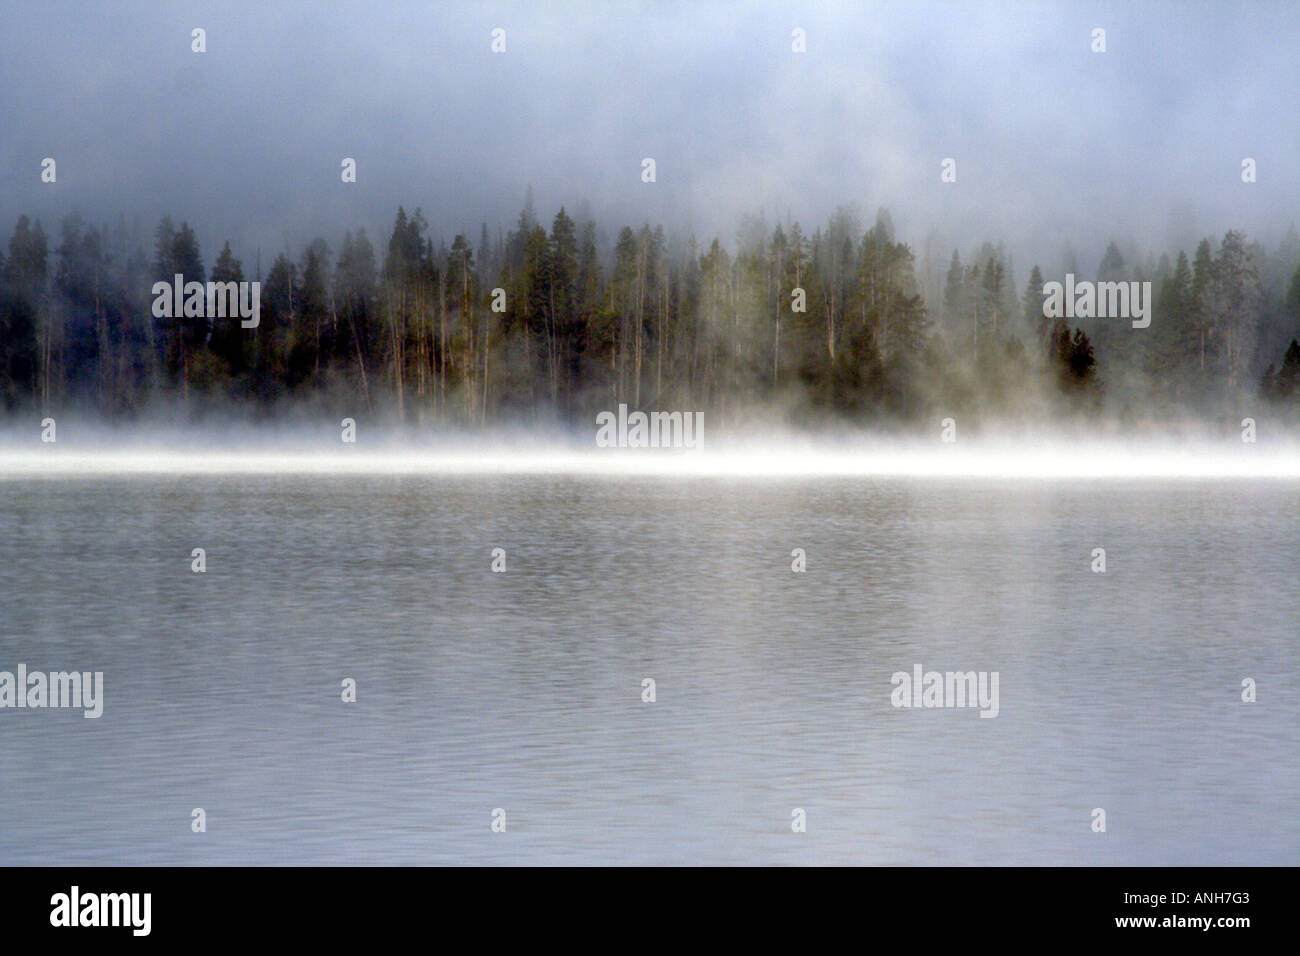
column 1055, row 144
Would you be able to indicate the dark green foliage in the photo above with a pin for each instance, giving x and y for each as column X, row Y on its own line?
column 546, row 325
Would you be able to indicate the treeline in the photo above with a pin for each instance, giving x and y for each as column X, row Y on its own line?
column 554, row 324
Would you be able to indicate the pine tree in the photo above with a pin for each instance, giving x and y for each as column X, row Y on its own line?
column 229, row 341
column 1031, row 308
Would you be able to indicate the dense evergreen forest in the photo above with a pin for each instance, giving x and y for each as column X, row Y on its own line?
column 413, row 331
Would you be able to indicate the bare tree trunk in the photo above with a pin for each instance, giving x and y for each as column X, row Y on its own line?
column 776, row 345
column 399, row 358
column 442, row 350
column 487, row 342
column 662, row 342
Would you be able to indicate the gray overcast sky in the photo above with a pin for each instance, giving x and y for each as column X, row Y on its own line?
column 1053, row 143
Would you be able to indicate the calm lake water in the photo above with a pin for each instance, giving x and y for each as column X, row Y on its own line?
column 478, row 690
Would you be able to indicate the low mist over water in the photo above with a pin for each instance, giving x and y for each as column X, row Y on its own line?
column 665, row 433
